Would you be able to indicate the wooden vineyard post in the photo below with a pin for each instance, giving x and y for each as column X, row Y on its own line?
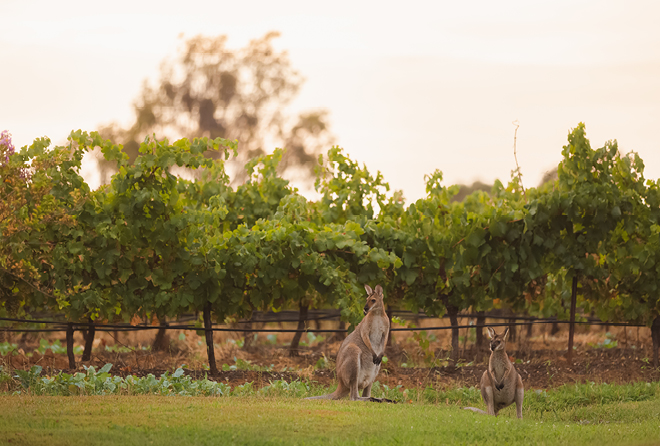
column 248, row 334
column 89, row 341
column 655, row 338
column 302, row 317
column 208, row 334
column 453, row 319
column 479, row 340
column 571, row 327
column 69, row 345
column 161, row 342
column 341, row 335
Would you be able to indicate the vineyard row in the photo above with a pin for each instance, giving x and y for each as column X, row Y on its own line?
column 154, row 245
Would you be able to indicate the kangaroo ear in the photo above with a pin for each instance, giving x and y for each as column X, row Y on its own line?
column 369, row 290
column 379, row 290
column 491, row 332
column 506, row 334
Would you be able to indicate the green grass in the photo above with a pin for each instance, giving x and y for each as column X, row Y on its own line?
column 603, row 415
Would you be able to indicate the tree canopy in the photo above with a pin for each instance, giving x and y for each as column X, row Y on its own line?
column 211, row 90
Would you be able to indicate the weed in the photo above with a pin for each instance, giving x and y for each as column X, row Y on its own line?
column 246, row 364
column 311, row 339
column 324, row 363
column 56, row 347
column 7, row 348
column 608, row 342
column 295, row 388
column 397, row 393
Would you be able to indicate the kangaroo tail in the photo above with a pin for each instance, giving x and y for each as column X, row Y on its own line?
column 474, row 409
column 329, row 396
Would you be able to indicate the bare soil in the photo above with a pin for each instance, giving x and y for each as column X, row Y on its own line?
column 538, row 356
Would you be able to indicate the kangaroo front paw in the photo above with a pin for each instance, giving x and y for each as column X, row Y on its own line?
column 499, row 386
column 378, row 358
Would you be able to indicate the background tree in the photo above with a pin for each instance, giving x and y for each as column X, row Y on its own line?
column 213, row 91
column 464, row 190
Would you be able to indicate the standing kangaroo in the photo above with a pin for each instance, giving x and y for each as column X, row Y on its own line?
column 501, row 384
column 360, row 355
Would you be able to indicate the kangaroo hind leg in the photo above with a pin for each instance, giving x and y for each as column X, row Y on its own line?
column 367, row 391
column 351, row 372
column 520, row 395
column 487, row 393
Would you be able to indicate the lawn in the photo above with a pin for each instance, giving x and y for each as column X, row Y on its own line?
column 258, row 419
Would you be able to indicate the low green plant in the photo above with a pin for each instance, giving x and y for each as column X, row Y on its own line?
column 118, row 349
column 6, row 348
column 238, row 343
column 312, row 339
column 324, row 363
column 246, row 364
column 244, row 390
column 56, row 347
column 101, row 382
column 397, row 393
column 297, row 389
column 5, row 378
column 609, row 342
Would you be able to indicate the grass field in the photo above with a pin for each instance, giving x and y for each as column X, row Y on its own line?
column 617, row 415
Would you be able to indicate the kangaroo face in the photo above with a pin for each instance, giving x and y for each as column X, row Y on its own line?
column 497, row 342
column 374, row 297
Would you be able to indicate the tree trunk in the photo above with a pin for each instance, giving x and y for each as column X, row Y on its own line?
column 89, row 342
column 453, row 319
column 162, row 341
column 69, row 345
column 340, row 336
column 302, row 316
column 317, row 326
column 513, row 330
column 248, row 335
column 208, row 333
column 554, row 329
column 479, row 341
column 571, row 328
column 655, row 337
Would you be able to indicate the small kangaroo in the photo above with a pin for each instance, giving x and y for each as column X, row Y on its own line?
column 501, row 384
column 360, row 355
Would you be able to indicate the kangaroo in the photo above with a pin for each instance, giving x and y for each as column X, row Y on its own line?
column 360, row 355
column 501, row 384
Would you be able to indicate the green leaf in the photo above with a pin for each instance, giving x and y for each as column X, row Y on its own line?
column 476, row 238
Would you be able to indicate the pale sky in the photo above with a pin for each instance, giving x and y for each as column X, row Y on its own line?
column 411, row 86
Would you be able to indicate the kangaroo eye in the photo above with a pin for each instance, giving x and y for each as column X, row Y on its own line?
column 373, row 300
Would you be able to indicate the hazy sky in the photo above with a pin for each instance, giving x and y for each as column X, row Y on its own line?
column 411, row 86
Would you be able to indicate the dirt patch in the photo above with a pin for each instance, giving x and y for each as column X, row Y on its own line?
column 611, row 356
